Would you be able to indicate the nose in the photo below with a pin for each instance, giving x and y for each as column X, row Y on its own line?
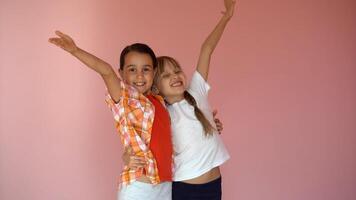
column 139, row 74
column 174, row 76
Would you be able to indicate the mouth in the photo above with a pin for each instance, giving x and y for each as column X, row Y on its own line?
column 177, row 84
column 139, row 84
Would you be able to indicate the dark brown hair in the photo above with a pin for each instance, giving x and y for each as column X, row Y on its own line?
column 140, row 48
column 161, row 61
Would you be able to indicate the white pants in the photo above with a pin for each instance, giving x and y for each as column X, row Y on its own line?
column 145, row 191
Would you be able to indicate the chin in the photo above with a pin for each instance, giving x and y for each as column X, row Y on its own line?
column 180, row 90
column 141, row 90
column 178, row 93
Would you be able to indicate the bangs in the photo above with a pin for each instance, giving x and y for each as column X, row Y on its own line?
column 161, row 62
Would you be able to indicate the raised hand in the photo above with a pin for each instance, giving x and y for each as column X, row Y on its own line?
column 64, row 41
column 229, row 8
column 227, row 3
column 111, row 79
column 213, row 39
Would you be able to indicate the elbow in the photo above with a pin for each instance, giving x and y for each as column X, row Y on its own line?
column 108, row 72
column 207, row 49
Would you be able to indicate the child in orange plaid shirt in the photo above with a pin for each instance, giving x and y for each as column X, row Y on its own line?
column 141, row 118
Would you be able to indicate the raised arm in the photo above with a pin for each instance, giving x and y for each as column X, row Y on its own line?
column 111, row 80
column 210, row 43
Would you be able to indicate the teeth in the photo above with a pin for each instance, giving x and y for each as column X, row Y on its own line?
column 179, row 83
column 139, row 84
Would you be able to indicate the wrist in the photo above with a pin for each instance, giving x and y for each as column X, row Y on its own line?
column 226, row 17
column 74, row 51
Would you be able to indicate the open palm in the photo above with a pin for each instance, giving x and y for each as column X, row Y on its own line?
column 63, row 41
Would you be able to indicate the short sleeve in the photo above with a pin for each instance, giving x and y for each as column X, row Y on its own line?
column 198, row 86
column 127, row 92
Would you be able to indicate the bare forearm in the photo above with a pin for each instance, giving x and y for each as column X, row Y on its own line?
column 109, row 76
column 208, row 47
column 93, row 62
column 214, row 37
column 212, row 40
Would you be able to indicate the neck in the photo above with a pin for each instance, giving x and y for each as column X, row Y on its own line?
column 148, row 92
column 174, row 99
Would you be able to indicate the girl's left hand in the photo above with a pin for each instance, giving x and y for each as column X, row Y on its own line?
column 230, row 8
column 132, row 161
column 219, row 125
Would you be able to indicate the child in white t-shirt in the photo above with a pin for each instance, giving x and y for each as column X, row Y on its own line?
column 198, row 149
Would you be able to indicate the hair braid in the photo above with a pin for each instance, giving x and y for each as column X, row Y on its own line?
column 208, row 128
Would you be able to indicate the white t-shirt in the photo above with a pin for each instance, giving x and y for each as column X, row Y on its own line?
column 194, row 153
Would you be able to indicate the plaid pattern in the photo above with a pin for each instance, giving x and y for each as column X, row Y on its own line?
column 134, row 115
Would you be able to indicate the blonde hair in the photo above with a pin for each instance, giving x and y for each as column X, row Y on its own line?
column 161, row 61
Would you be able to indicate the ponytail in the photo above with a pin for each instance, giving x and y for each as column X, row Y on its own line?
column 208, row 128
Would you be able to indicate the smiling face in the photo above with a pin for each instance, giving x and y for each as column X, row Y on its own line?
column 138, row 71
column 170, row 81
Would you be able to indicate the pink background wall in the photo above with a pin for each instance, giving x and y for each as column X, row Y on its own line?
column 283, row 77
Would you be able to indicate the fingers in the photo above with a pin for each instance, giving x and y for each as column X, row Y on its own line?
column 227, row 3
column 128, row 150
column 133, row 161
column 232, row 6
column 137, row 162
column 56, row 41
column 53, row 40
column 215, row 112
column 64, row 36
column 63, row 41
column 219, row 125
column 61, row 35
column 218, row 122
column 229, row 8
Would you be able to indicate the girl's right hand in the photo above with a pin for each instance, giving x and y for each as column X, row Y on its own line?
column 132, row 161
column 64, row 41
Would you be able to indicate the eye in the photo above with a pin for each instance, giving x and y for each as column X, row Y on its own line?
column 131, row 70
column 165, row 75
column 147, row 69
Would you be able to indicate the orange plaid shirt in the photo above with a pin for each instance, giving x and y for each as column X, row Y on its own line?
column 134, row 115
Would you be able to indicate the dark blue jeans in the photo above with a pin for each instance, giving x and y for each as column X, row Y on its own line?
column 206, row 191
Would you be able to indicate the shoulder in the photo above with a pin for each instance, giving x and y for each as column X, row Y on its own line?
column 160, row 99
column 198, row 87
